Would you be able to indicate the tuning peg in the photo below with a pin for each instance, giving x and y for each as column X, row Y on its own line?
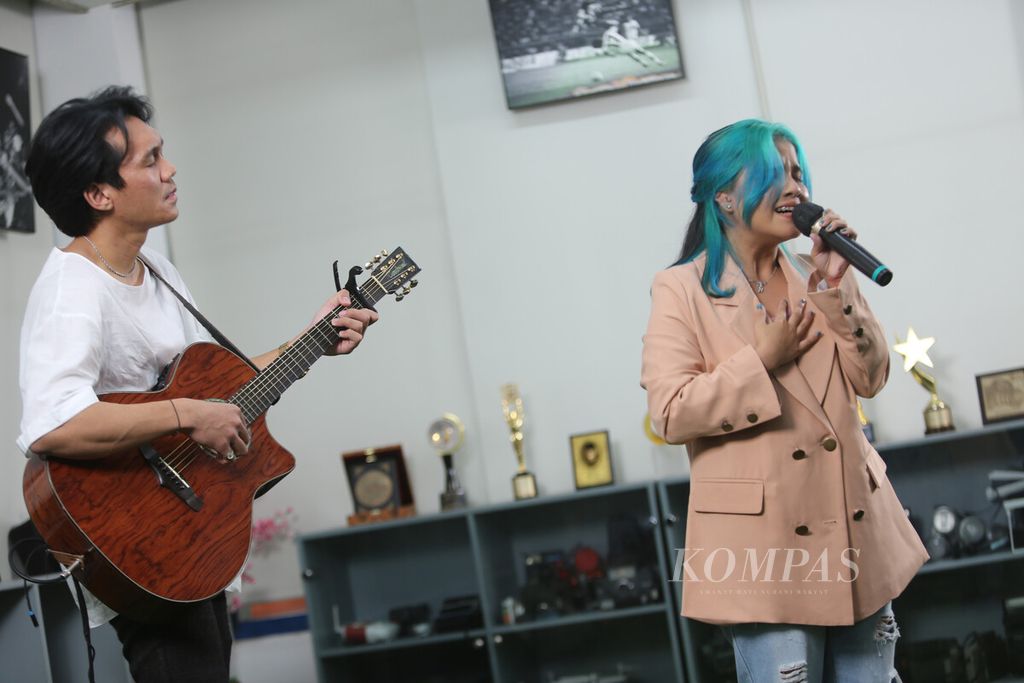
column 399, row 296
column 383, row 253
column 369, row 265
column 377, row 259
column 413, row 283
column 406, row 290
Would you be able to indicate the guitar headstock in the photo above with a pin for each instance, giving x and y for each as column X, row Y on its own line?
column 391, row 274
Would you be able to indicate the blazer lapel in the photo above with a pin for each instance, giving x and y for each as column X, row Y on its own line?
column 817, row 362
column 789, row 375
column 743, row 299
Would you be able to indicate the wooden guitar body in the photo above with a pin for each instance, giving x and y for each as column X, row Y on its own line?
column 144, row 547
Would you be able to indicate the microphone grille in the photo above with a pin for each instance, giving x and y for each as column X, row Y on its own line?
column 805, row 215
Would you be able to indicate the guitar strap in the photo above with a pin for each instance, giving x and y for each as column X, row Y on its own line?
column 217, row 334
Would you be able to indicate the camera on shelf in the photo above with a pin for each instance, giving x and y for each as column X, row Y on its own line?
column 581, row 579
column 953, row 534
column 629, row 586
column 551, row 589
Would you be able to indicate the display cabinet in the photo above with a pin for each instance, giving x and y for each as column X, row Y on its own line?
column 362, row 573
column 486, row 552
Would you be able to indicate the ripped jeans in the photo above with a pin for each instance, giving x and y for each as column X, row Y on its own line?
column 862, row 653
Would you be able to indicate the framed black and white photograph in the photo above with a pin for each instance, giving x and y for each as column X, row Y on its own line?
column 1001, row 395
column 15, row 191
column 554, row 50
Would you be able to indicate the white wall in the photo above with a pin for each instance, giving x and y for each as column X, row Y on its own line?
column 298, row 141
column 21, row 256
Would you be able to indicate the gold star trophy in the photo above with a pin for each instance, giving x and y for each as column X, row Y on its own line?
column 937, row 415
column 524, row 484
column 446, row 435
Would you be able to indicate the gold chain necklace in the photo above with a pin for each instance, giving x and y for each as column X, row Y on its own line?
column 125, row 276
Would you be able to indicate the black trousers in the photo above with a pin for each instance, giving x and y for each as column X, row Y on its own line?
column 194, row 648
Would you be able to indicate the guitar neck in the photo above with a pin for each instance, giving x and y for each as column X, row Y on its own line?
column 390, row 273
column 264, row 390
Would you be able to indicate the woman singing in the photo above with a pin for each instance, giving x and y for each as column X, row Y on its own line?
column 754, row 358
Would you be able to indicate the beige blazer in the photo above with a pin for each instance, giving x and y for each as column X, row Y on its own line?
column 791, row 517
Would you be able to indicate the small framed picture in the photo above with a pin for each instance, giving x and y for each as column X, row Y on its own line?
column 1001, row 395
column 591, row 460
column 379, row 481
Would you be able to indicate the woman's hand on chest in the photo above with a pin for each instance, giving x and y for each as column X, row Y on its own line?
column 782, row 337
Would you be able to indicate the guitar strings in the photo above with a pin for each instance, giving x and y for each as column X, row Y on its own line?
column 251, row 410
column 182, row 456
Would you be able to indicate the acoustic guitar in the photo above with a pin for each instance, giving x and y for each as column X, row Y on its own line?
column 164, row 525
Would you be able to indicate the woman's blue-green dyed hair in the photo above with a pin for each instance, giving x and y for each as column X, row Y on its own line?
column 745, row 146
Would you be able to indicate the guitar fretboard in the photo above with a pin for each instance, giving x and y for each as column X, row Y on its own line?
column 264, row 390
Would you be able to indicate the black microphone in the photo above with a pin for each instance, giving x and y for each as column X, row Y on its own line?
column 806, row 215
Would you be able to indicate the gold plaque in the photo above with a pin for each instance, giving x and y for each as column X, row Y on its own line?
column 591, row 460
column 379, row 483
column 1001, row 395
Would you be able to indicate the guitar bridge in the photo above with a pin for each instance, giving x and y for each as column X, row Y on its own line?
column 170, row 479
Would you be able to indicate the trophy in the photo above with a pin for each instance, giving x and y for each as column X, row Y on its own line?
column 937, row 415
column 446, row 435
column 524, row 484
column 865, row 424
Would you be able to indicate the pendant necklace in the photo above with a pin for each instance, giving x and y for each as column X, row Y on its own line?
column 759, row 285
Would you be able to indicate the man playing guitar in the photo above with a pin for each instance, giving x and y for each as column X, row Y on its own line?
column 97, row 321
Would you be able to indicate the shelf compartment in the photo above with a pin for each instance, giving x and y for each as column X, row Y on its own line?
column 642, row 642
column 463, row 660
column 968, row 562
column 508, row 534
column 582, row 618
column 367, row 574
column 402, row 644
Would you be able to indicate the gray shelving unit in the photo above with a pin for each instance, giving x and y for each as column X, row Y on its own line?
column 365, row 571
column 951, row 598
column 55, row 651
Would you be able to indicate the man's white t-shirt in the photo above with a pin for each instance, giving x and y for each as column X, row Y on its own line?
column 86, row 333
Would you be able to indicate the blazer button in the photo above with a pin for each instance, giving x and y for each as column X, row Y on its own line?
column 726, row 427
column 799, row 454
column 859, row 332
column 802, row 530
column 752, row 418
column 858, row 515
column 829, row 444
column 848, row 309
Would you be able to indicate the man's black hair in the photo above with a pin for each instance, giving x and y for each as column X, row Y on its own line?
column 70, row 153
